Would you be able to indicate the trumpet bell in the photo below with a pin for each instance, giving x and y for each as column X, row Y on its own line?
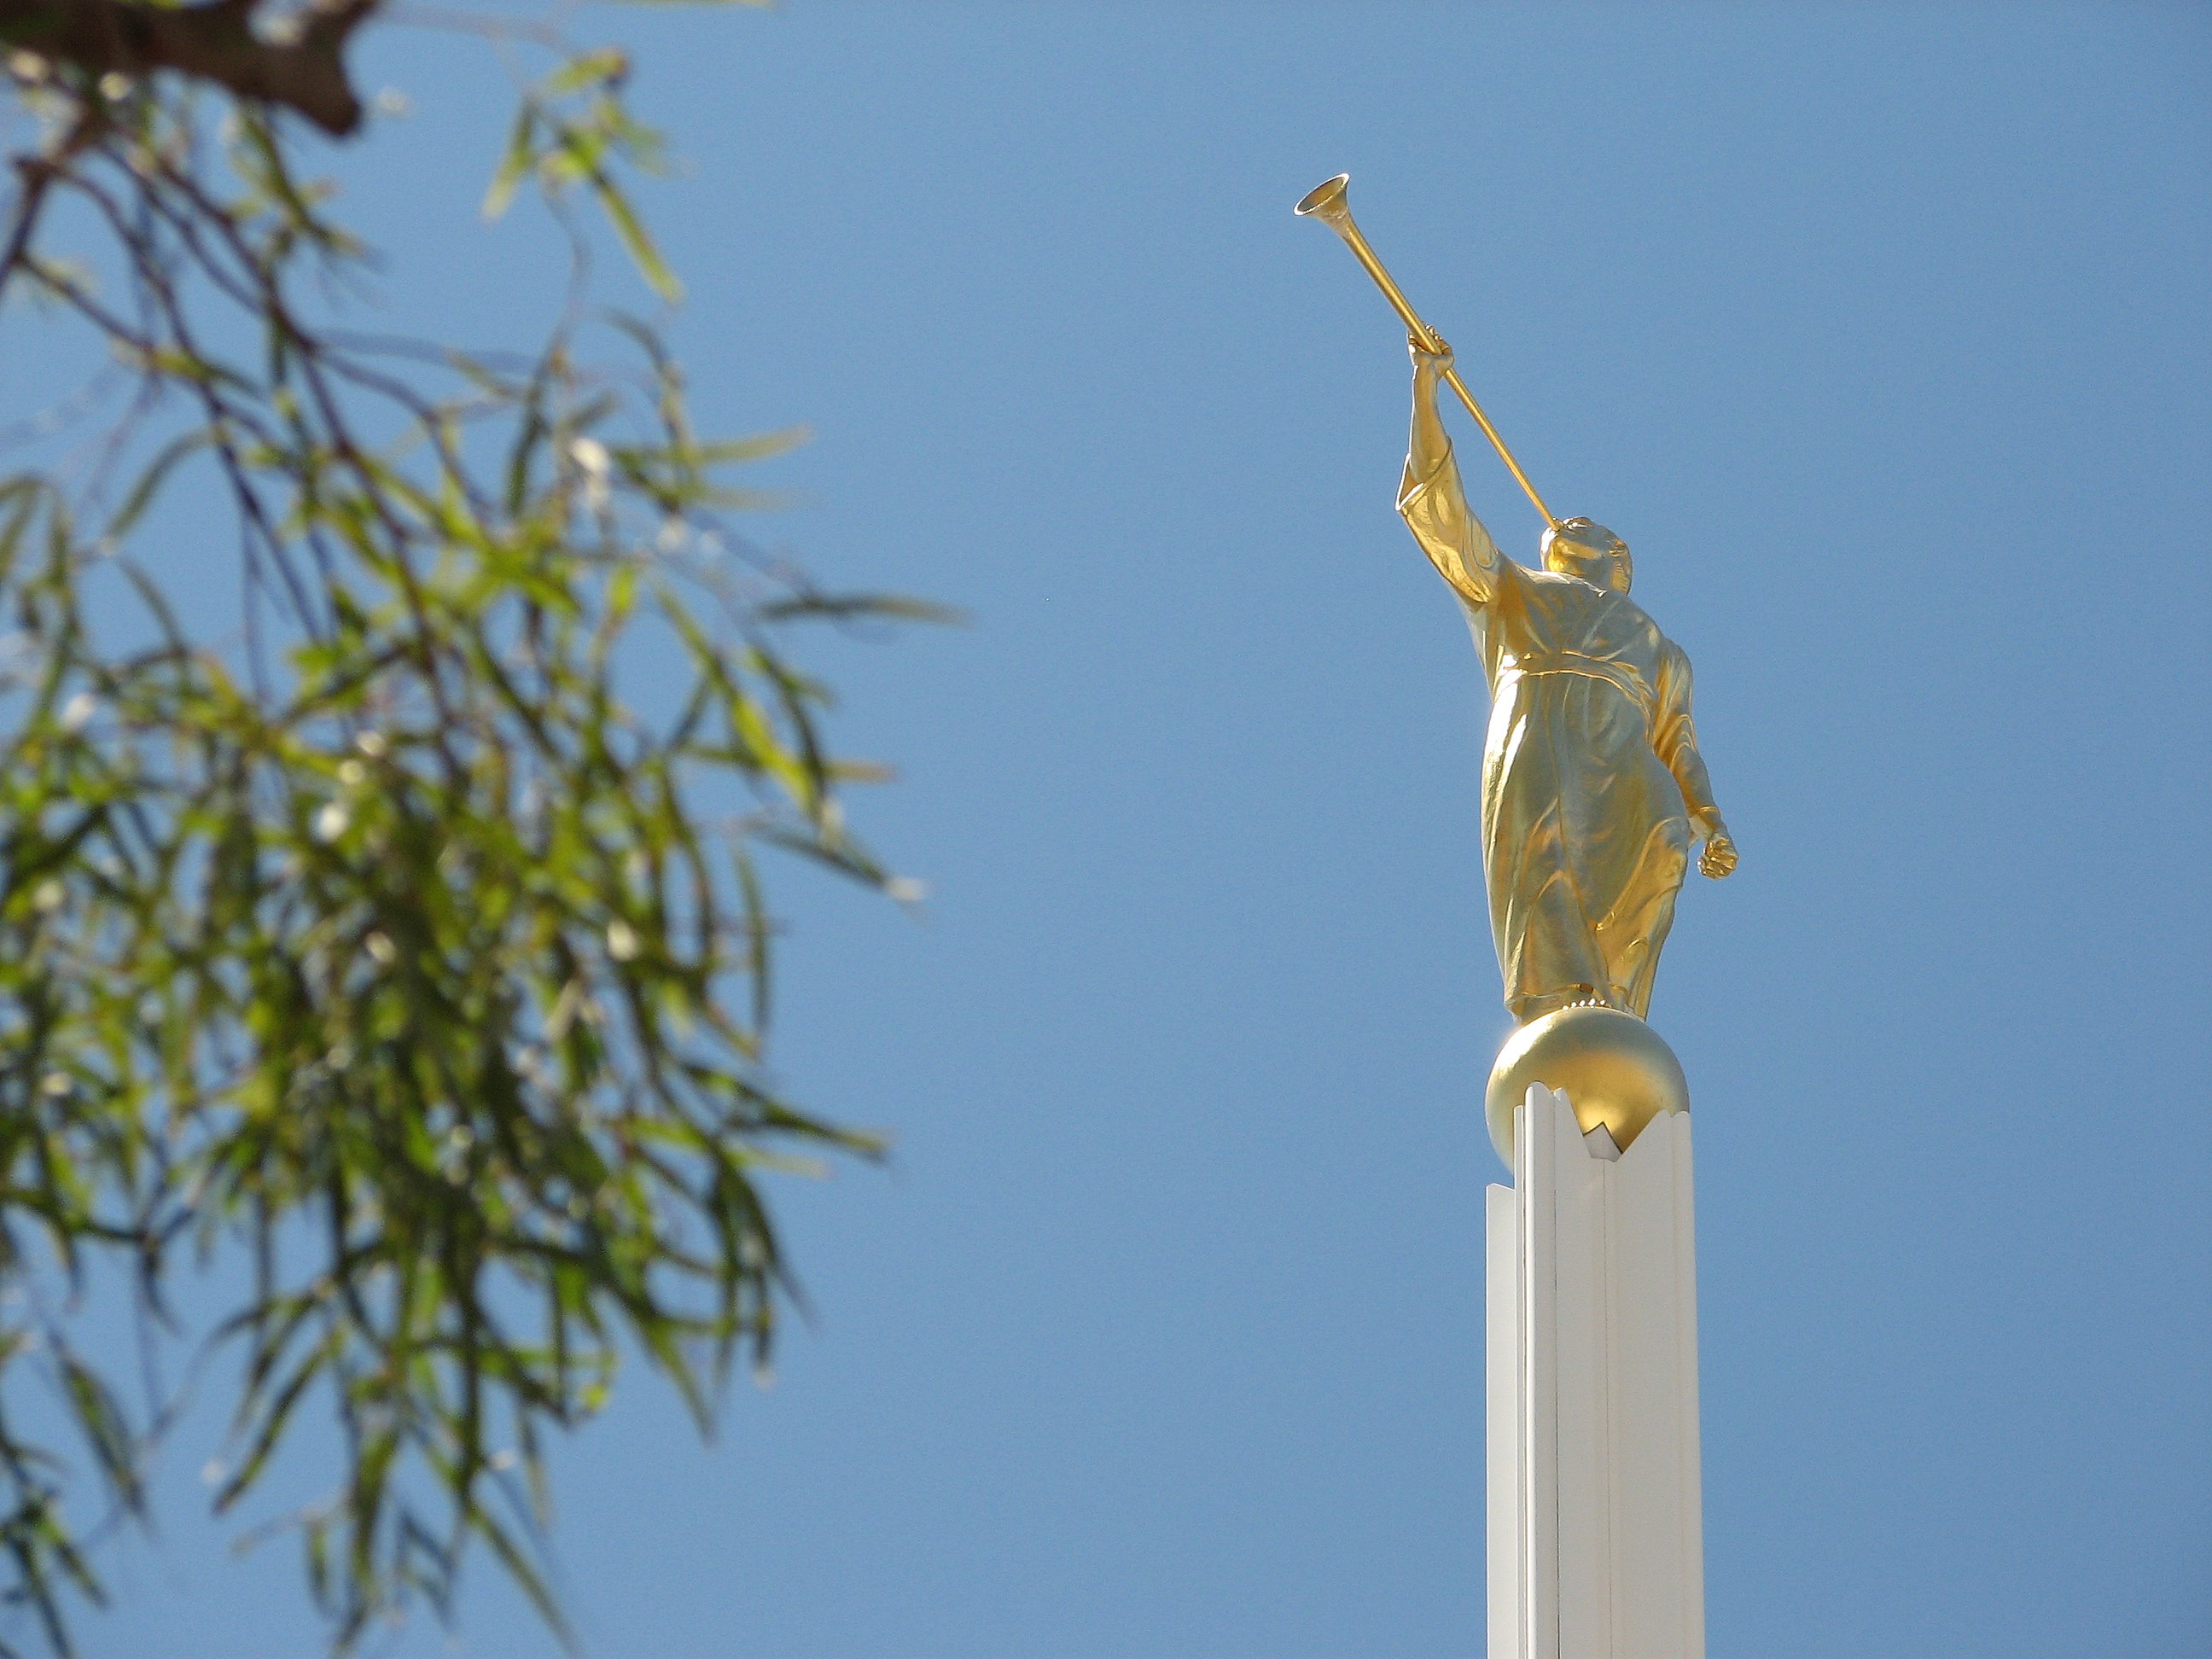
column 1326, row 202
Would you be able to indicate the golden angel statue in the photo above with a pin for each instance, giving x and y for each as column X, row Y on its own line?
column 1592, row 791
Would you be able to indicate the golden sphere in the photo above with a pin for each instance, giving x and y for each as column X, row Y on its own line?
column 1615, row 1069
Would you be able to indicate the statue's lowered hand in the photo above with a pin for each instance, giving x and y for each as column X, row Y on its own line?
column 1719, row 857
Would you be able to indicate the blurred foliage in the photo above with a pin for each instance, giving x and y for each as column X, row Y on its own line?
column 378, row 957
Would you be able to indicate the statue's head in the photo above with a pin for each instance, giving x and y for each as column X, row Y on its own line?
column 1576, row 547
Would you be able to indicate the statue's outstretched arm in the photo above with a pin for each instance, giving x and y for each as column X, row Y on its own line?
column 1429, row 497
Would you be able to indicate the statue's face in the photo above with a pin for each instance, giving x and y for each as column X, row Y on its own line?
column 1579, row 548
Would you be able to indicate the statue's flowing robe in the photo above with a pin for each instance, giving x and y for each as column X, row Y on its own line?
column 1593, row 792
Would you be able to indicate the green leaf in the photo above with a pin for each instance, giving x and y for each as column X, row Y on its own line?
column 631, row 230
column 515, row 165
column 150, row 481
column 758, row 448
column 848, row 607
column 590, row 69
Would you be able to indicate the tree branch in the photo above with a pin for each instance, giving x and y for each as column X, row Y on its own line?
column 305, row 70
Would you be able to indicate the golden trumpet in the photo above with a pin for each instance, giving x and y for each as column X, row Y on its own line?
column 1326, row 202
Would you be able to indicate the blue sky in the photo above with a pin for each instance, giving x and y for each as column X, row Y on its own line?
column 1883, row 335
